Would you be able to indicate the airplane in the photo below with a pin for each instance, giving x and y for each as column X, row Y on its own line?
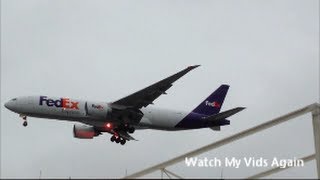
column 122, row 117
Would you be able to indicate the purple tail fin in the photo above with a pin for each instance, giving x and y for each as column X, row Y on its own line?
column 212, row 104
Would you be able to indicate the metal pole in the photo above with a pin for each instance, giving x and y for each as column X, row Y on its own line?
column 161, row 173
column 316, row 133
column 166, row 173
column 173, row 174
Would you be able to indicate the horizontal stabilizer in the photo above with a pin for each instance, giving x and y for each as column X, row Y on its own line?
column 216, row 128
column 224, row 114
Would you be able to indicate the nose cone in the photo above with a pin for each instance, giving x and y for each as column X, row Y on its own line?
column 9, row 105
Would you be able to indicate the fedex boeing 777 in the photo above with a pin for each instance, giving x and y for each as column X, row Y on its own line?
column 120, row 118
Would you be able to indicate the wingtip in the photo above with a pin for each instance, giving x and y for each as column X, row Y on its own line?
column 194, row 66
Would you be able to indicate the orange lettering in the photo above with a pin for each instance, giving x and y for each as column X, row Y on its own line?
column 74, row 105
column 65, row 102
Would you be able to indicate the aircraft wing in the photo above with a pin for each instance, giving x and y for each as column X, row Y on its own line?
column 147, row 95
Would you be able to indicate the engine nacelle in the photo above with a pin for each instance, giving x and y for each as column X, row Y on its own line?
column 83, row 131
column 98, row 110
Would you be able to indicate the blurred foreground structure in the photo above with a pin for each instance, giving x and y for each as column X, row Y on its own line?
column 314, row 109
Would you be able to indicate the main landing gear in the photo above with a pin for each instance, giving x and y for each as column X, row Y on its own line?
column 131, row 130
column 117, row 139
column 25, row 123
column 128, row 128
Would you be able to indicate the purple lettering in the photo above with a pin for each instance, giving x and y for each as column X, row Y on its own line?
column 42, row 98
column 58, row 103
column 50, row 102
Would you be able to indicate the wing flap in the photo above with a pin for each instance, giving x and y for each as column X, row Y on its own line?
column 125, row 135
column 216, row 128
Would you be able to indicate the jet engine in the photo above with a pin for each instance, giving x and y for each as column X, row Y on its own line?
column 84, row 131
column 97, row 110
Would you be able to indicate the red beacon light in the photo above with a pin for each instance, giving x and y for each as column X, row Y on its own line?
column 108, row 125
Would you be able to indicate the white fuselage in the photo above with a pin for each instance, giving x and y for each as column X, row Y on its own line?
column 92, row 113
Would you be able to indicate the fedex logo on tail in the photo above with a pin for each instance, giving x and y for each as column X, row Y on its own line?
column 212, row 104
column 62, row 102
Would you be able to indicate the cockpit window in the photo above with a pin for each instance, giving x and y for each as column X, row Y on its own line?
column 13, row 99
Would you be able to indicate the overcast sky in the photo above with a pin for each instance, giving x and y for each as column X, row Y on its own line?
column 267, row 51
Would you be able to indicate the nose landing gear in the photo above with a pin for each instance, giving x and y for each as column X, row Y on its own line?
column 25, row 123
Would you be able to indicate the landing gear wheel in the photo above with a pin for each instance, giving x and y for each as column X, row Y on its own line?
column 117, row 140
column 25, row 123
column 113, row 138
column 131, row 130
column 123, row 141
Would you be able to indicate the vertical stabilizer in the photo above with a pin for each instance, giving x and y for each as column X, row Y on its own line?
column 212, row 104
